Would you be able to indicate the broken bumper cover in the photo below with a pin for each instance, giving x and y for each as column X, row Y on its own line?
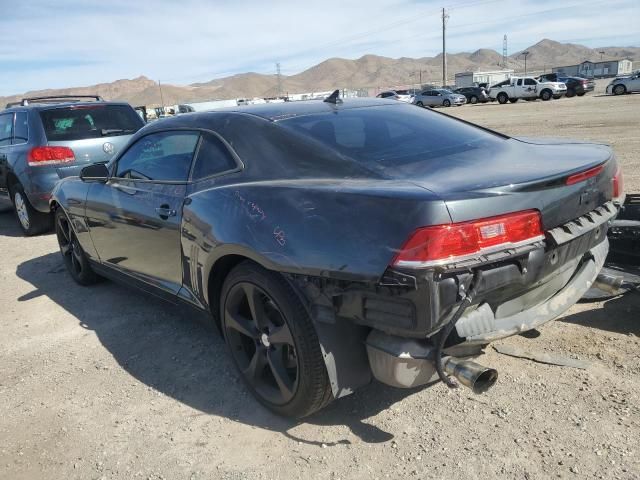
column 484, row 325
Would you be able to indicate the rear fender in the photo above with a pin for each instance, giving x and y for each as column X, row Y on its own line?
column 71, row 195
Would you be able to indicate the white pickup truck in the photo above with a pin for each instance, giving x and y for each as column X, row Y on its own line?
column 526, row 87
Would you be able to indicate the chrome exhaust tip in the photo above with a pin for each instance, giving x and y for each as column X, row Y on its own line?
column 471, row 374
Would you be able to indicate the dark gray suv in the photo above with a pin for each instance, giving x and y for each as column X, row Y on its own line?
column 45, row 139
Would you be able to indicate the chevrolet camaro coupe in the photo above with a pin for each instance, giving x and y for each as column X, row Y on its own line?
column 337, row 241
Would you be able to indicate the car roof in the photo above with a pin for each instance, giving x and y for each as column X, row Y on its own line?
column 280, row 111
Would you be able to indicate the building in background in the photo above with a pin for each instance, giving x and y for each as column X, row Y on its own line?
column 606, row 68
column 471, row 79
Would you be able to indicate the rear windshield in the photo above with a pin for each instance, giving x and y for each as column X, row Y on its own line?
column 89, row 121
column 395, row 140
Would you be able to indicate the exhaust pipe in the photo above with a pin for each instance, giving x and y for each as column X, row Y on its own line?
column 608, row 283
column 470, row 374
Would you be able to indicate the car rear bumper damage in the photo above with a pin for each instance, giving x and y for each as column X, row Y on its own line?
column 401, row 319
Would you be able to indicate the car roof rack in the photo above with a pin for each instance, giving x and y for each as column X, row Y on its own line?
column 54, row 99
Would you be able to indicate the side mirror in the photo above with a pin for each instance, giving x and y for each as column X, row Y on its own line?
column 98, row 172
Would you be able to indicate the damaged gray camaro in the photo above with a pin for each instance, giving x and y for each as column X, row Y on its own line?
column 339, row 241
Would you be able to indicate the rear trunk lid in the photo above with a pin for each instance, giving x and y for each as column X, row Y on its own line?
column 521, row 174
column 94, row 131
column 90, row 150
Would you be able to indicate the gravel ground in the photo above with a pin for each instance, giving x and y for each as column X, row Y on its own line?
column 105, row 382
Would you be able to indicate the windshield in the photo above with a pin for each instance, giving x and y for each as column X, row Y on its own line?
column 79, row 122
column 396, row 140
column 444, row 91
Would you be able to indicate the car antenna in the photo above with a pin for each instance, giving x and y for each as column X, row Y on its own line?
column 334, row 97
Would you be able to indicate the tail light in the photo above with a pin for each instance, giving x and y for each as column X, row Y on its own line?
column 50, row 156
column 579, row 177
column 618, row 186
column 441, row 244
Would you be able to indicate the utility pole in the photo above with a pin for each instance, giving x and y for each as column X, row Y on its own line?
column 525, row 53
column 279, row 80
column 445, row 17
column 504, row 51
column 161, row 97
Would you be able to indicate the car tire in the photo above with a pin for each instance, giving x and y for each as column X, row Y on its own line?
column 31, row 221
column 570, row 92
column 581, row 94
column 446, row 103
column 502, row 98
column 75, row 260
column 420, row 104
column 513, row 100
column 287, row 375
column 619, row 90
column 546, row 95
column 473, row 99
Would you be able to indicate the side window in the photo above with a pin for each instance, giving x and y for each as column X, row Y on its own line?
column 163, row 156
column 519, row 82
column 20, row 129
column 529, row 81
column 6, row 129
column 213, row 158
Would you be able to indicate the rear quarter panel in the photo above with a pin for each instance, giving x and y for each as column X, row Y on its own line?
column 347, row 230
column 70, row 194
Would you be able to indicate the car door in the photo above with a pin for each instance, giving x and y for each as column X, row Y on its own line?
column 430, row 98
column 634, row 83
column 134, row 218
column 530, row 88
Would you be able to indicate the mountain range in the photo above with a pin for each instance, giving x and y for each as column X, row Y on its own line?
column 369, row 71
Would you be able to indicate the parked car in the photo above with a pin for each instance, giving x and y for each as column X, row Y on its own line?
column 438, row 97
column 474, row 94
column 575, row 85
column 48, row 138
column 527, row 88
column 627, row 84
column 389, row 94
column 406, row 95
column 347, row 239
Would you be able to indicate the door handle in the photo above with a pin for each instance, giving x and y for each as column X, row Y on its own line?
column 165, row 211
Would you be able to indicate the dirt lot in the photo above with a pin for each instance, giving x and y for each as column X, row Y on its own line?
column 106, row 382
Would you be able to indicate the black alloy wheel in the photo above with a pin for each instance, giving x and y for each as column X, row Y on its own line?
column 570, row 93
column 261, row 343
column 273, row 341
column 473, row 99
column 503, row 98
column 446, row 103
column 546, row 95
column 74, row 258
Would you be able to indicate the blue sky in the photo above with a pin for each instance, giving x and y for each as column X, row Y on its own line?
column 63, row 43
